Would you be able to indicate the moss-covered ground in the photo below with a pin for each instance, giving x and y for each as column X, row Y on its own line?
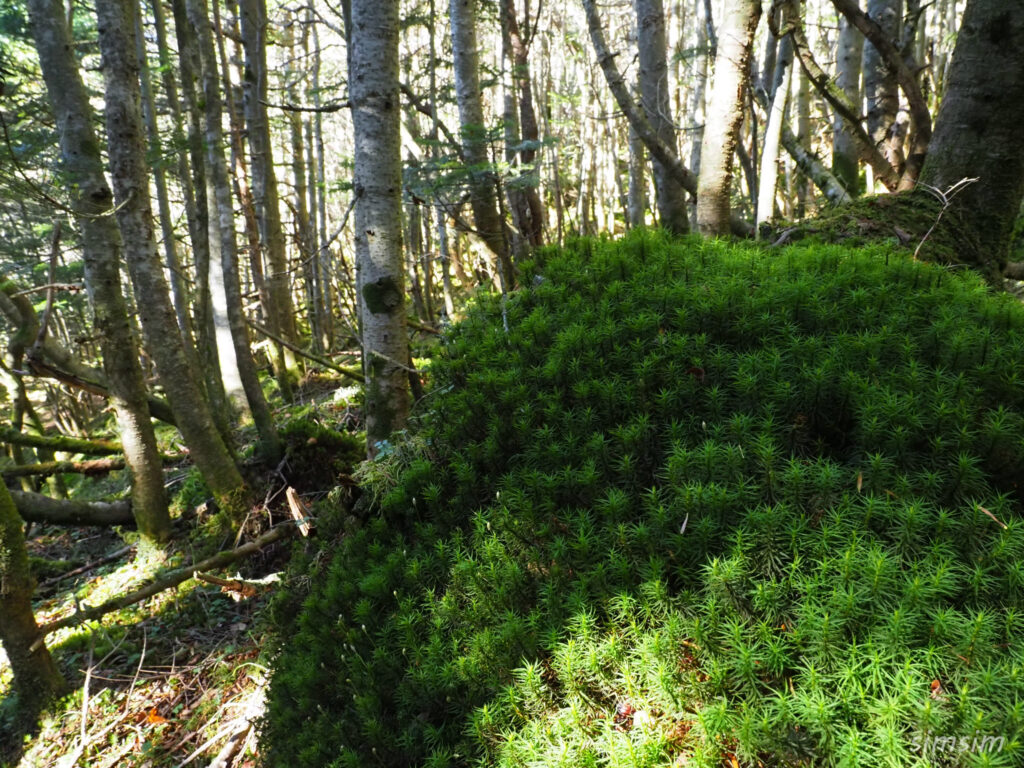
column 682, row 503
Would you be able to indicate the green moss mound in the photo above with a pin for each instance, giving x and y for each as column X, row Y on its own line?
column 699, row 503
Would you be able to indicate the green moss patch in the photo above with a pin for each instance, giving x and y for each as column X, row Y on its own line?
column 700, row 503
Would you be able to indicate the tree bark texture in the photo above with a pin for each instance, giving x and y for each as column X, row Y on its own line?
column 725, row 114
column 130, row 175
column 373, row 89
column 654, row 96
column 101, row 256
column 978, row 128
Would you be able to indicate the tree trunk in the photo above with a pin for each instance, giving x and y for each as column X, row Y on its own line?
column 36, row 677
column 725, row 114
column 130, row 175
column 977, row 131
column 848, row 64
column 654, row 96
column 881, row 90
column 215, row 374
column 373, row 89
column 482, row 181
column 253, row 15
column 179, row 293
column 779, row 95
column 101, row 243
column 219, row 191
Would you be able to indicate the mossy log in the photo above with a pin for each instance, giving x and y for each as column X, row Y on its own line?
column 61, row 443
column 47, row 468
column 37, row 508
column 912, row 221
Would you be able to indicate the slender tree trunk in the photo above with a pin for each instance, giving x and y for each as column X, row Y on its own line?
column 129, row 172
column 482, row 183
column 36, row 677
column 216, row 359
column 520, row 36
column 320, row 188
column 845, row 154
column 101, row 250
column 225, row 230
column 977, row 131
column 373, row 90
column 779, row 95
column 253, row 14
column 179, row 294
column 725, row 115
column 654, row 95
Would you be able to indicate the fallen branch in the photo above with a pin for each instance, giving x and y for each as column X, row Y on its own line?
column 350, row 372
column 167, row 581
column 88, row 566
column 239, row 587
column 37, row 508
column 47, row 468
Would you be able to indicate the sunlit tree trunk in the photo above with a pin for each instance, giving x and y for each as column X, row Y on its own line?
column 219, row 191
column 101, row 255
column 778, row 95
column 373, row 90
column 725, row 114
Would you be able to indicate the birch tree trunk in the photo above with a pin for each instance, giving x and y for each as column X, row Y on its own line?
column 36, row 677
column 373, row 90
column 654, row 96
column 845, row 154
column 101, row 256
column 482, row 182
column 725, row 114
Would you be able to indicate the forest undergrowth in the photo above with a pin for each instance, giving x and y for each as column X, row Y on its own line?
column 682, row 503
column 178, row 679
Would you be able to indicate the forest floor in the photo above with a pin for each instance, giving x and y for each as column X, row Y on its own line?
column 165, row 682
column 175, row 680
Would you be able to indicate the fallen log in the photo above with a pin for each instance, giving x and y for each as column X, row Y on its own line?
column 47, row 468
column 166, row 581
column 37, row 508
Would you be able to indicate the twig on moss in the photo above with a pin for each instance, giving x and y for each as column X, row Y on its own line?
column 946, row 198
